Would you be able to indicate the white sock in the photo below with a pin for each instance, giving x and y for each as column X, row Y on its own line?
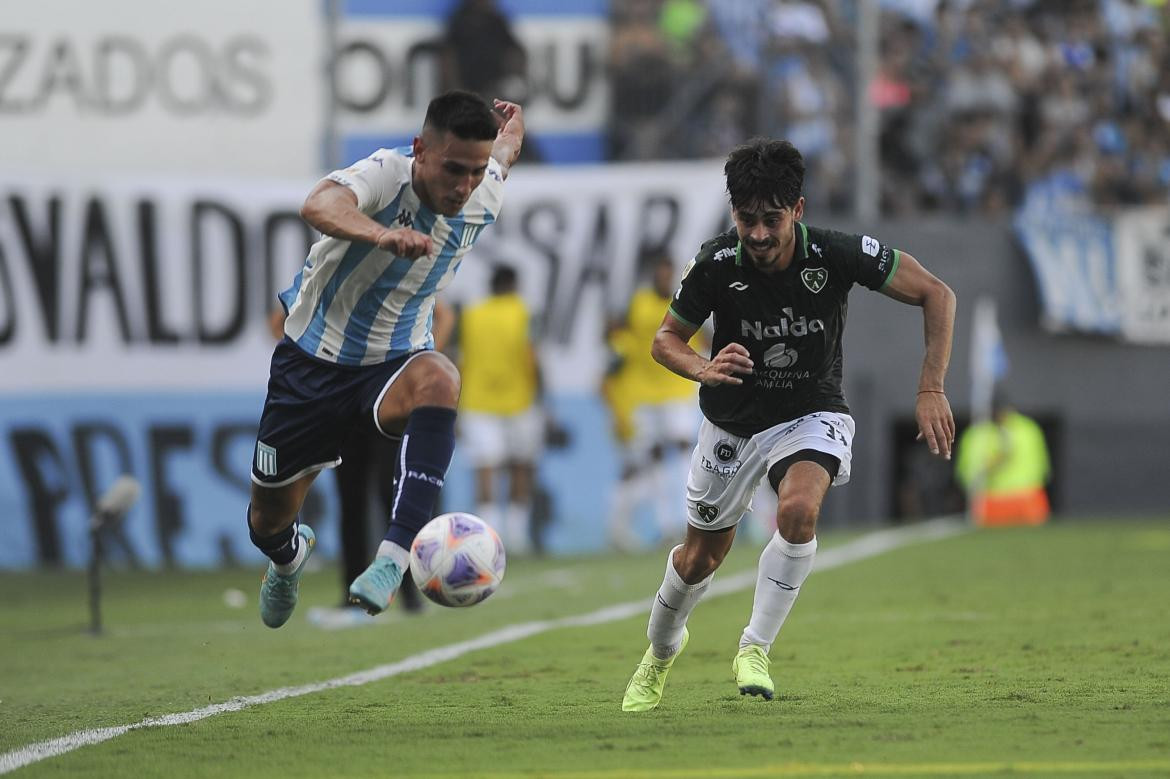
column 673, row 604
column 489, row 512
column 298, row 558
column 400, row 556
column 516, row 528
column 621, row 511
column 783, row 569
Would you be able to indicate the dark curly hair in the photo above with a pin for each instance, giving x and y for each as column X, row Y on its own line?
column 765, row 172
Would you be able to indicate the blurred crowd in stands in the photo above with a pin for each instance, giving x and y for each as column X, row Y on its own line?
column 983, row 105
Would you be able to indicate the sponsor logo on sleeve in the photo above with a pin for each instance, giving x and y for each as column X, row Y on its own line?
column 870, row 245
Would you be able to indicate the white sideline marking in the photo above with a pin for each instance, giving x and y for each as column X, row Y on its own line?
column 859, row 549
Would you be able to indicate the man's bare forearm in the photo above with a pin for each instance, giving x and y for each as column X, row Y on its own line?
column 674, row 354
column 333, row 211
column 938, row 320
column 506, row 150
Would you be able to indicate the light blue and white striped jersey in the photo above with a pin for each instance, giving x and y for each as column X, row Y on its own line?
column 355, row 304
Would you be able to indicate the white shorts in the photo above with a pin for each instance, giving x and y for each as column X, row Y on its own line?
column 492, row 440
column 663, row 424
column 726, row 468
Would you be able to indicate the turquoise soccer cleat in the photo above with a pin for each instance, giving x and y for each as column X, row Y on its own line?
column 375, row 588
column 278, row 592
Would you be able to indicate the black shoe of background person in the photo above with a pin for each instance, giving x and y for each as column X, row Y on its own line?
column 412, row 599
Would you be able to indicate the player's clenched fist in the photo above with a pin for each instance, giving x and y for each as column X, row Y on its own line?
column 405, row 242
column 721, row 369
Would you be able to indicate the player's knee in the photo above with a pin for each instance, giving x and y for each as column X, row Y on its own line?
column 437, row 383
column 269, row 512
column 796, row 519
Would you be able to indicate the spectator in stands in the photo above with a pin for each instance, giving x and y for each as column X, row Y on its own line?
column 984, row 103
column 482, row 54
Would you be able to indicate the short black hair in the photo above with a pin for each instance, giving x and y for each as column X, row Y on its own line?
column 463, row 114
column 766, row 172
column 503, row 279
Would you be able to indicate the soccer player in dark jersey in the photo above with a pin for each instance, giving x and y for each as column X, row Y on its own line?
column 771, row 396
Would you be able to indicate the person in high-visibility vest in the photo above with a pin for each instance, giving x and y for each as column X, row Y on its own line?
column 1003, row 465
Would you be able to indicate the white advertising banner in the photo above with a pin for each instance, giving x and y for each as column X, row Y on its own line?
column 389, row 58
column 167, row 284
column 1108, row 276
column 1143, row 269
column 217, row 87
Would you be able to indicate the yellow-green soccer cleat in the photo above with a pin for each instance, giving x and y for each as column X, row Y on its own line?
column 278, row 593
column 644, row 691
column 750, row 667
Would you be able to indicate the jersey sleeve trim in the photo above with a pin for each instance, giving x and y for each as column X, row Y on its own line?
column 893, row 269
column 680, row 317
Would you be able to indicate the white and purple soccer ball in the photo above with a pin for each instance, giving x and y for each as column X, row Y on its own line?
column 457, row 559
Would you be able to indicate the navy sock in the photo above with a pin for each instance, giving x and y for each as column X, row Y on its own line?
column 427, row 444
column 280, row 547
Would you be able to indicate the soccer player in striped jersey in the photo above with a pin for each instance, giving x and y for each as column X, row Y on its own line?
column 357, row 347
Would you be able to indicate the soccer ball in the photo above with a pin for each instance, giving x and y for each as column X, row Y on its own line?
column 457, row 559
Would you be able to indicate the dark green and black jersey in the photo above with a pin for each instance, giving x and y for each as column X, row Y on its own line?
column 790, row 321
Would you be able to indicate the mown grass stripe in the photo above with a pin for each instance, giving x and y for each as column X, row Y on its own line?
column 1007, row 767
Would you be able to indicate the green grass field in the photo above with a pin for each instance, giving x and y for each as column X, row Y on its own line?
column 1031, row 651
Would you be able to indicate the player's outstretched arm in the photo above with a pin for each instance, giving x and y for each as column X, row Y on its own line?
column 333, row 210
column 916, row 286
column 510, row 136
column 671, row 349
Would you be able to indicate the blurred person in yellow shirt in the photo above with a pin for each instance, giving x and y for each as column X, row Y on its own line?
column 500, row 418
column 664, row 415
column 1003, row 465
column 620, row 394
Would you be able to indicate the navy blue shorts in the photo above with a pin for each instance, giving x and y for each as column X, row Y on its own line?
column 311, row 408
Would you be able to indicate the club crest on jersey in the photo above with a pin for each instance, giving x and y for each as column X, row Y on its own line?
column 814, row 278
